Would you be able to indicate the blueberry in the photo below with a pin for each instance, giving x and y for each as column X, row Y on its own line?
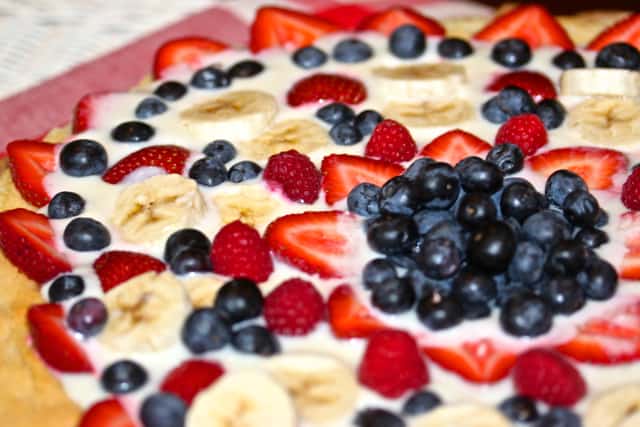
column 87, row 317
column 239, row 299
column 421, row 402
column 565, row 295
column 163, row 410
column 526, row 315
column 546, row 228
column 364, row 200
column 423, row 286
column 551, row 112
column 83, row 157
column 66, row 287
column 603, row 218
column 474, row 287
column 454, row 48
column 437, row 186
column 393, row 296
column 190, row 261
column 492, row 111
column 205, row 330
column 451, row 230
column 519, row 201
column 185, row 239
column 170, row 91
column 442, row 314
column 391, row 234
column 123, row 376
column 515, row 101
column 398, row 196
column 309, row 57
column 150, row 107
column 591, row 237
column 86, row 234
column 345, row 133
column 527, row 264
column 511, row 53
column 566, row 257
column 560, row 184
column 208, row 172
column 351, row 51
column 426, row 219
column 569, row 59
column 132, row 131
column 367, row 120
column 65, row 204
column 335, row 113
column 599, row 280
column 439, row 258
column 221, row 150
column 255, row 339
column 243, row 171
column 376, row 272
column 619, row 55
column 479, row 175
column 581, row 208
column 507, row 157
column 559, row 417
column 377, row 417
column 245, row 69
column 407, row 42
column 403, row 261
column 519, row 409
column 491, row 247
column 476, row 209
column 418, row 168
column 210, row 78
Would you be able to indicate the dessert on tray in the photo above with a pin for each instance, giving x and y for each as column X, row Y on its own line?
column 382, row 227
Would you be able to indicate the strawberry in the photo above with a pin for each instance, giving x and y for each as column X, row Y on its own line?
column 392, row 142
column 630, row 267
column 611, row 338
column 326, row 87
column 346, row 16
column 349, row 318
column 52, row 340
column 532, row 23
column 190, row 377
column 314, row 242
column 536, row 84
column 116, row 267
column 295, row 175
column 480, row 361
column 626, row 30
column 106, row 413
column 631, row 190
column 388, row 20
column 526, row 131
column 239, row 251
column 187, row 50
column 544, row 375
column 171, row 158
column 27, row 240
column 342, row 172
column 455, row 145
column 279, row 27
column 392, row 364
column 629, row 227
column 29, row 162
column 85, row 111
column 597, row 166
column 293, row 308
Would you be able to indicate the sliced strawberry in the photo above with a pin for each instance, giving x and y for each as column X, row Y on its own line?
column 190, row 377
column 626, row 30
column 348, row 317
column 171, row 158
column 536, row 84
column 52, row 340
column 115, row 267
column 326, row 87
column 276, row 26
column 610, row 338
column 532, row 23
column 455, row 145
column 480, row 361
column 85, row 111
column 346, row 16
column 106, row 413
column 388, row 20
column 314, row 242
column 188, row 50
column 26, row 238
column 629, row 227
column 342, row 172
column 29, row 162
column 630, row 267
column 597, row 166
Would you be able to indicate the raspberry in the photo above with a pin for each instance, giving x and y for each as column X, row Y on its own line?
column 526, row 131
column 239, row 251
column 293, row 308
column 546, row 376
column 326, row 87
column 392, row 142
column 631, row 190
column 392, row 364
column 295, row 175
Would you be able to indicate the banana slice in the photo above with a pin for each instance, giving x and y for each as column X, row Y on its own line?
column 612, row 120
column 600, row 81
column 253, row 205
column 145, row 313
column 429, row 113
column 461, row 415
column 242, row 399
column 295, row 134
column 238, row 115
column 619, row 407
column 434, row 82
column 323, row 387
column 202, row 289
column 154, row 208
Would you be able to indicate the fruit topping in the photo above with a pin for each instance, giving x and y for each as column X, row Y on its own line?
column 407, row 42
column 619, row 55
column 208, row 172
column 511, row 53
column 626, row 30
column 210, row 78
column 243, row 171
column 568, row 60
column 519, row 409
column 85, row 111
column 132, row 131
column 205, row 330
column 221, row 150
column 255, row 339
column 372, row 417
column 106, row 413
column 123, row 376
column 526, row 131
column 171, row 158
column 86, row 234
column 421, row 402
column 392, row 142
column 479, row 175
column 245, row 69
column 163, row 410
column 187, row 250
column 453, row 146
column 631, row 190
column 346, row 16
column 442, row 314
column 83, row 157
column 454, row 48
column 351, row 51
column 293, row 308
column 65, row 204
column 526, row 315
column 335, row 113
column 116, row 267
column 239, row 300
column 29, row 163
column 150, row 107
column 394, row 295
column 87, row 317
column 509, row 158
column 559, row 416
column 66, row 287
column 189, row 51
column 171, row 90
column 388, row 20
column 326, row 87
column 190, row 377
column 536, row 84
column 551, row 112
column 295, row 175
column 367, row 120
column 348, row 317
column 309, row 57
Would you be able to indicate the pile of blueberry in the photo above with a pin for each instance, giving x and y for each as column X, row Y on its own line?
column 459, row 242
column 347, row 128
column 211, row 170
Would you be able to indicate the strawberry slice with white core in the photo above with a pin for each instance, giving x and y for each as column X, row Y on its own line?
column 189, row 51
column 348, row 317
column 455, row 145
column 171, row 158
column 106, row 413
column 29, row 163
column 86, row 110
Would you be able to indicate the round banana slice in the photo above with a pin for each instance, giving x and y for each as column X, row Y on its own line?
column 295, row 134
column 435, row 82
column 619, row 407
column 429, row 113
column 242, row 399
column 252, row 204
column 237, row 115
column 323, row 387
column 145, row 313
column 203, row 288
column 600, row 81
column 610, row 120
column 154, row 208
column 461, row 415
